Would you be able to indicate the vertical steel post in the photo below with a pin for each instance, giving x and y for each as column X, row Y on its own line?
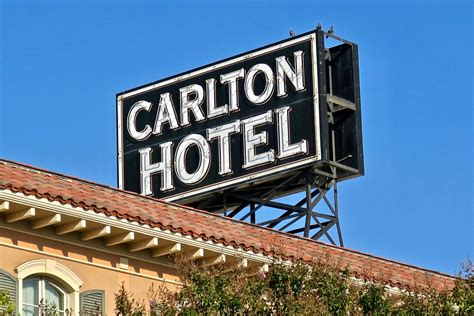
column 252, row 213
column 307, row 225
column 224, row 198
column 336, row 210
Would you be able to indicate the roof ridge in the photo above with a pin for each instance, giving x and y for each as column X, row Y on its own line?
column 220, row 217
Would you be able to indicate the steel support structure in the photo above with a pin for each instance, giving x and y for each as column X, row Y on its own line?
column 305, row 202
column 313, row 214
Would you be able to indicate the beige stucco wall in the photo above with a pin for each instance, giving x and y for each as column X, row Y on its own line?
column 95, row 268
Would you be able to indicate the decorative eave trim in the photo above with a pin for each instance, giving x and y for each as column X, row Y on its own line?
column 130, row 226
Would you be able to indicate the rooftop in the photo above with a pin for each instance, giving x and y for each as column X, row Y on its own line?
column 197, row 224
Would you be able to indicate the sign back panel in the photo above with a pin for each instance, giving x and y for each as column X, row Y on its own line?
column 230, row 123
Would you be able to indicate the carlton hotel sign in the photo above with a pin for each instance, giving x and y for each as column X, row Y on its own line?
column 233, row 122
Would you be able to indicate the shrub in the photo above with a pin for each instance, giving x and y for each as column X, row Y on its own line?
column 6, row 304
column 373, row 300
column 321, row 287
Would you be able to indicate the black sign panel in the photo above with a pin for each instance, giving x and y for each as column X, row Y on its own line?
column 252, row 116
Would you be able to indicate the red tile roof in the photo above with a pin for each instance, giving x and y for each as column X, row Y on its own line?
column 200, row 224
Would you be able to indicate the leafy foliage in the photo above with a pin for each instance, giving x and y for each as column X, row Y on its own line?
column 6, row 303
column 463, row 292
column 322, row 287
column 126, row 305
column 372, row 300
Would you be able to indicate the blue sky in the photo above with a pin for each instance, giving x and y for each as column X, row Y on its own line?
column 62, row 62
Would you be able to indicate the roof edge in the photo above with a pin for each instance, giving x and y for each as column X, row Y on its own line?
column 261, row 250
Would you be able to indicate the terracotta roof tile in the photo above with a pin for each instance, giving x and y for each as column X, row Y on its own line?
column 200, row 224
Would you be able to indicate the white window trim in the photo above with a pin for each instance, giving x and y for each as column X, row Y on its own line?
column 50, row 267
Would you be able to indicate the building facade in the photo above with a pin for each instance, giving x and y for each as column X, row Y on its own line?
column 71, row 243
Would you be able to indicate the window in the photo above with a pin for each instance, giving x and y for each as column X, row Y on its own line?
column 42, row 296
column 37, row 288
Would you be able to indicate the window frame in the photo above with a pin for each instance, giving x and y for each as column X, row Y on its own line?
column 41, row 282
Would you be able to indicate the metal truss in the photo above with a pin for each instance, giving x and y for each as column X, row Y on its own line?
column 314, row 213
